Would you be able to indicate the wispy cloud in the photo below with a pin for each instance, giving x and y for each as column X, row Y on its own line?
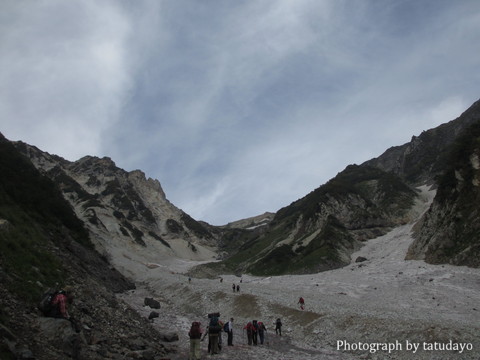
column 63, row 73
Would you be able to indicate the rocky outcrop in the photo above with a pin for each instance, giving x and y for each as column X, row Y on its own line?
column 422, row 159
column 449, row 231
column 125, row 213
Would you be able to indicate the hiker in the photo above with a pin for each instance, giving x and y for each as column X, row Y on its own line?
column 233, row 287
column 278, row 327
column 58, row 307
column 301, row 301
column 229, row 330
column 58, row 304
column 261, row 332
column 254, row 332
column 220, row 342
column 249, row 328
column 213, row 333
column 195, row 334
column 238, row 288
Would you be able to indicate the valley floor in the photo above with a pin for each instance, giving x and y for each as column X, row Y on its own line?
column 382, row 302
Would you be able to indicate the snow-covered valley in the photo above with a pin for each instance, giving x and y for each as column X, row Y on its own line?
column 381, row 308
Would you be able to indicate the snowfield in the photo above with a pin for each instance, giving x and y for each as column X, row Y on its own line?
column 382, row 308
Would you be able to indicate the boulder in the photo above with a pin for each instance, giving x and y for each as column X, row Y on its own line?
column 154, row 304
column 169, row 337
column 153, row 315
column 61, row 334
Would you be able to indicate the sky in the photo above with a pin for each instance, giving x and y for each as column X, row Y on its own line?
column 236, row 107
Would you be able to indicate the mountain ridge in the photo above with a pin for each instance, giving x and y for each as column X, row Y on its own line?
column 361, row 202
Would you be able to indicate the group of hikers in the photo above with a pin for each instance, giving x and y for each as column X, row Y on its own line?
column 256, row 331
column 54, row 304
column 213, row 331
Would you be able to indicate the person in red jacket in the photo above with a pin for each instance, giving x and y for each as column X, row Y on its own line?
column 60, row 302
column 249, row 328
column 195, row 334
column 301, row 301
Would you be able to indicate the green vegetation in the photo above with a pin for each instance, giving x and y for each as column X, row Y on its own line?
column 320, row 253
column 174, row 227
column 37, row 217
column 378, row 198
column 197, row 228
column 361, row 180
column 26, row 256
column 159, row 238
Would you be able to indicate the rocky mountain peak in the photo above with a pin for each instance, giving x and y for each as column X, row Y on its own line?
column 125, row 212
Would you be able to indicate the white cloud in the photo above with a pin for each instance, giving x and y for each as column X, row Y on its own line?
column 63, row 73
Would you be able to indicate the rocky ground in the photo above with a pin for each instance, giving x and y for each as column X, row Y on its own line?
column 381, row 302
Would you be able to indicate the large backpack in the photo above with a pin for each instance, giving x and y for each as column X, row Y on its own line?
column 195, row 332
column 214, row 327
column 45, row 304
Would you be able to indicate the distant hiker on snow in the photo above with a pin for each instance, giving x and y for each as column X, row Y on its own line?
column 301, row 301
column 249, row 328
column 238, row 288
column 278, row 327
column 261, row 332
column 214, row 329
column 229, row 330
column 233, row 287
column 255, row 332
column 195, row 334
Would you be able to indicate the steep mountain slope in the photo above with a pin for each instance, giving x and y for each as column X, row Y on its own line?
column 422, row 159
column 126, row 214
column 450, row 231
column 320, row 231
column 44, row 245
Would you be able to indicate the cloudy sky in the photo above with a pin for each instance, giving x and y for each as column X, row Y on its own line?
column 236, row 107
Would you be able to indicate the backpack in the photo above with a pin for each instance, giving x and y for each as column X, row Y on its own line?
column 213, row 321
column 195, row 331
column 225, row 327
column 45, row 304
column 214, row 327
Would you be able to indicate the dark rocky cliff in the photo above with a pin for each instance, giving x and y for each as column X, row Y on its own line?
column 450, row 230
column 43, row 245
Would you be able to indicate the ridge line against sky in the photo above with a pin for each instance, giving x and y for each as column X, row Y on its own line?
column 237, row 108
